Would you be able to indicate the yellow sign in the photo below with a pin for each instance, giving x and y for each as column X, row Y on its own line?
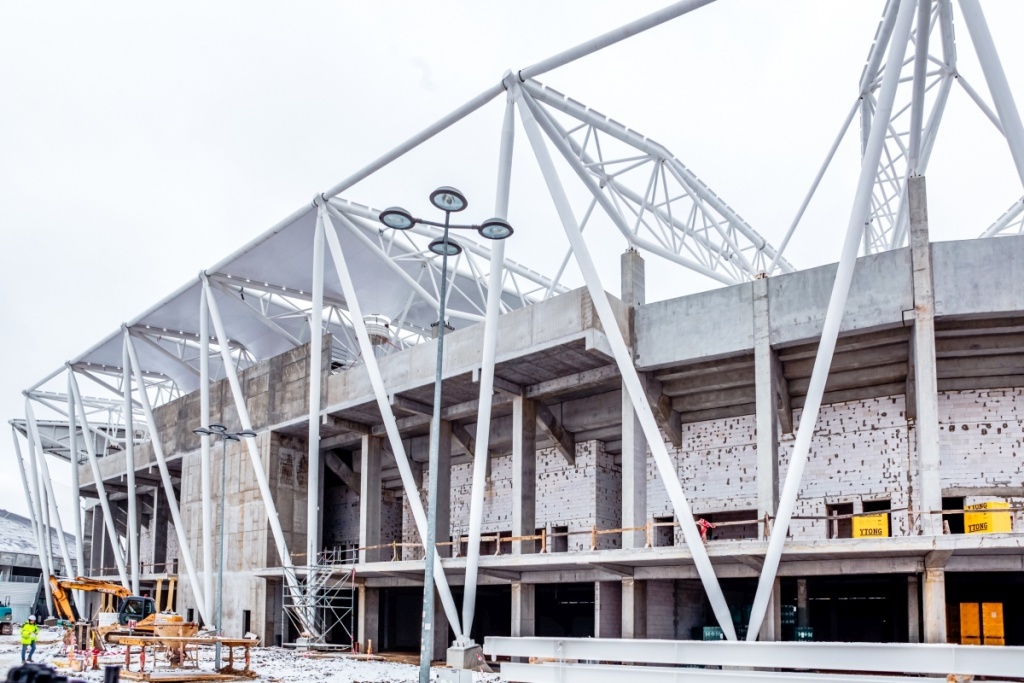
column 871, row 526
column 979, row 519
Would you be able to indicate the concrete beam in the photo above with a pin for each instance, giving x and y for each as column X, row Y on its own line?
column 564, row 440
column 335, row 422
column 502, row 574
column 342, row 471
column 665, row 414
column 576, row 382
column 411, row 406
column 714, row 399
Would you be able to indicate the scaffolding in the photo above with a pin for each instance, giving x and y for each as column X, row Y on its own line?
column 320, row 603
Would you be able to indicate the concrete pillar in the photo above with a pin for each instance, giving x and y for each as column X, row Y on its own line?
column 369, row 618
column 161, row 519
column 441, row 641
column 443, row 531
column 524, row 609
column 524, row 476
column 803, row 617
column 771, row 627
column 925, row 384
column 634, row 444
column 934, row 599
column 96, row 540
column 634, row 608
column 913, row 609
column 766, row 378
column 369, row 498
column 608, row 609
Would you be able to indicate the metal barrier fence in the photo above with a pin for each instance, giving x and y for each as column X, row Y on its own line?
column 600, row 660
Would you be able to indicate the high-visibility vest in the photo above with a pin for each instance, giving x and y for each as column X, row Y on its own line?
column 29, row 633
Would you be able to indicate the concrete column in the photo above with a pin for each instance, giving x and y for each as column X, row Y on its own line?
column 934, row 599
column 524, row 478
column 369, row 618
column 771, row 627
column 161, row 519
column 925, row 375
column 766, row 371
column 913, row 609
column 608, row 609
column 803, row 617
column 524, row 609
column 96, row 546
column 443, row 532
column 441, row 641
column 634, row 444
column 369, row 498
column 634, row 608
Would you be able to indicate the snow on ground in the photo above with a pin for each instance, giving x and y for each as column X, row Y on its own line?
column 271, row 665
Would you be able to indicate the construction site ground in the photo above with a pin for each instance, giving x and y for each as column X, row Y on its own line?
column 269, row 664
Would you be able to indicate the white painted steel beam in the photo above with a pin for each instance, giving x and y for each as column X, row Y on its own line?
column 387, row 414
column 316, row 344
column 165, row 476
column 101, row 492
column 998, row 86
column 611, row 37
column 938, row 659
column 418, row 139
column 39, row 492
column 630, row 378
column 490, row 343
column 833, row 318
column 591, row 673
column 76, row 495
column 44, row 474
column 129, row 457
column 32, row 514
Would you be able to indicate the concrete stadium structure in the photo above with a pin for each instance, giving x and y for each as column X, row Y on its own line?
column 828, row 427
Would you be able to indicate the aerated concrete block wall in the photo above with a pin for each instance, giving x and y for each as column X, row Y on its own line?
column 982, row 445
column 573, row 496
column 859, row 452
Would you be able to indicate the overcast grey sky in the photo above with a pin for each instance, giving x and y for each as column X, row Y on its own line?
column 142, row 142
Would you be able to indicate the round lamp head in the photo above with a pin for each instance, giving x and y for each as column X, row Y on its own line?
column 448, row 199
column 495, row 229
column 397, row 218
column 441, row 248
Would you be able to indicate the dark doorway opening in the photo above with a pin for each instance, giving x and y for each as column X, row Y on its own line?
column 1001, row 588
column 954, row 521
column 565, row 610
column 855, row 609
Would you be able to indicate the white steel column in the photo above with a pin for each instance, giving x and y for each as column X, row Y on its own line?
column 46, row 543
column 129, row 457
column 483, row 420
column 33, row 515
column 62, row 542
column 834, row 316
column 384, row 405
column 76, row 496
column 165, row 476
column 630, row 378
column 206, row 463
column 316, row 339
column 97, row 475
column 998, row 86
column 254, row 451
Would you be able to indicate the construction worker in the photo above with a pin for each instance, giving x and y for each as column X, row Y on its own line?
column 29, row 634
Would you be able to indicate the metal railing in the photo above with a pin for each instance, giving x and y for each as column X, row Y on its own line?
column 597, row 660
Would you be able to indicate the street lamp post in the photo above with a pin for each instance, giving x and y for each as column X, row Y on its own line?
column 220, row 430
column 449, row 200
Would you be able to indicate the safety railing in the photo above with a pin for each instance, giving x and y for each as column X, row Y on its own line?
column 597, row 660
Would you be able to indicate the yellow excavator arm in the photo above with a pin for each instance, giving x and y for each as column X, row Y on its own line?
column 62, row 601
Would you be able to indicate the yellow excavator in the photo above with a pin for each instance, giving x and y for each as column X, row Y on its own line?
column 136, row 614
